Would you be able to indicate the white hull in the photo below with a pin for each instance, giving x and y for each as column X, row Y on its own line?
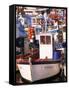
column 38, row 71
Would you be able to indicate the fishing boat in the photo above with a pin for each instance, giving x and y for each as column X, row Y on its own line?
column 42, row 62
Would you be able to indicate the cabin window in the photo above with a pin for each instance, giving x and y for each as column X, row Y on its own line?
column 48, row 39
column 42, row 39
column 45, row 39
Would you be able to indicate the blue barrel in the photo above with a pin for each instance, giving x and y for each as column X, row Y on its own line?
column 57, row 55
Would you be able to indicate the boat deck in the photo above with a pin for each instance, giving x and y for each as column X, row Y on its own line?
column 37, row 61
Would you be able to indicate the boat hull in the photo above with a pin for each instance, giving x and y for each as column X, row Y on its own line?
column 34, row 72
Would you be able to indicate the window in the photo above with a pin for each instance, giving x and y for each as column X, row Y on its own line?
column 48, row 39
column 42, row 39
column 45, row 39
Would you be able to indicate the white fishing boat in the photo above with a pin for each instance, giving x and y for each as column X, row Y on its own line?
column 43, row 66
